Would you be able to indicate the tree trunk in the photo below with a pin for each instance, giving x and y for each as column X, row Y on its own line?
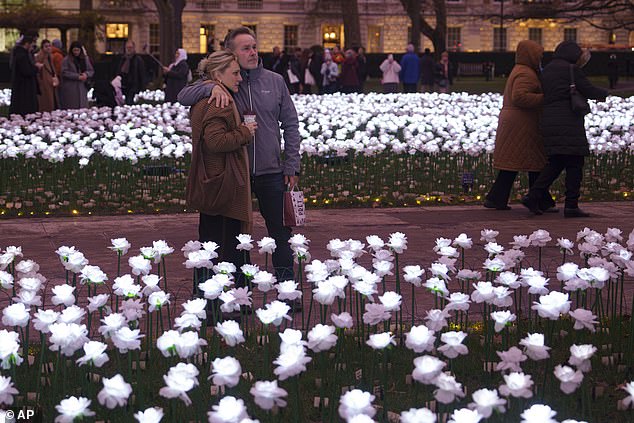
column 437, row 35
column 87, row 29
column 416, row 8
column 170, row 27
column 351, row 26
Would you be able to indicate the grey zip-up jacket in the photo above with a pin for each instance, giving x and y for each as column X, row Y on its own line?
column 266, row 94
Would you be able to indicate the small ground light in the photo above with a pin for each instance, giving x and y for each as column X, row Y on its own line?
column 75, row 212
column 130, row 211
column 625, row 194
column 478, row 197
column 377, row 199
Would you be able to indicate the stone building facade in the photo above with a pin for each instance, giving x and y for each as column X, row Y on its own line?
column 474, row 25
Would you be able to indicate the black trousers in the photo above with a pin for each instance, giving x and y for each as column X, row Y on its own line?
column 269, row 190
column 501, row 189
column 410, row 88
column 573, row 165
column 223, row 231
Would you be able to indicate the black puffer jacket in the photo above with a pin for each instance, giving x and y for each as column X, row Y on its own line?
column 563, row 131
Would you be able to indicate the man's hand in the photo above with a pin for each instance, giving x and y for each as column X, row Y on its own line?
column 291, row 180
column 165, row 69
column 220, row 97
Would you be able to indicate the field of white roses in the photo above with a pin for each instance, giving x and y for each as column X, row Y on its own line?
column 394, row 149
column 507, row 340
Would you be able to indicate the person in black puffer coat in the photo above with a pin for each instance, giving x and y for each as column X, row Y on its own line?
column 563, row 131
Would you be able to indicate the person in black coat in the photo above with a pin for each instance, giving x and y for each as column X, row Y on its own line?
column 613, row 71
column 427, row 71
column 176, row 75
column 24, row 69
column 132, row 72
column 314, row 67
column 563, row 130
column 362, row 69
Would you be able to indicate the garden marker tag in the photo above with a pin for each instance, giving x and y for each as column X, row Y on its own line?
column 318, row 382
column 213, row 390
column 358, row 374
column 408, row 379
column 378, row 391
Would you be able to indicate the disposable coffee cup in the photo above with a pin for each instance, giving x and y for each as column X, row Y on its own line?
column 249, row 117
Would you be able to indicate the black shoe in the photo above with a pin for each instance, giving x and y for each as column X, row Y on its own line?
column 552, row 209
column 491, row 205
column 576, row 212
column 531, row 205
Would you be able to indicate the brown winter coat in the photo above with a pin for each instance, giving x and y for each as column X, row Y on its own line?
column 225, row 157
column 47, row 99
column 518, row 143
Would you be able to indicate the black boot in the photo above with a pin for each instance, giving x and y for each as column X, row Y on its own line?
column 531, row 204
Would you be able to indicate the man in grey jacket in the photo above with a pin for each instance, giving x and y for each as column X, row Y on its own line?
column 264, row 94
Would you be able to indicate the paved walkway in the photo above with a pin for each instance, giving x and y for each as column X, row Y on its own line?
column 40, row 237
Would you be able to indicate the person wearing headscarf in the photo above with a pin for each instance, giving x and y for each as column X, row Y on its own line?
column 176, row 75
column 563, row 129
column 57, row 55
column 76, row 70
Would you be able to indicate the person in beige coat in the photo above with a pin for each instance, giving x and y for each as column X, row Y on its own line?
column 518, row 142
column 47, row 78
column 218, row 183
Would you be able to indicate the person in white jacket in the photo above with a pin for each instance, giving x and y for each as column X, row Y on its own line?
column 390, row 69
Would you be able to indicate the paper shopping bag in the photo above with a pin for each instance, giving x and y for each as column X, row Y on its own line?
column 294, row 211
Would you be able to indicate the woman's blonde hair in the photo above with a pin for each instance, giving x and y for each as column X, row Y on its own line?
column 216, row 62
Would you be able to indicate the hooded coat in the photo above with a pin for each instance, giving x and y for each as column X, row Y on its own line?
column 518, row 142
column 563, row 131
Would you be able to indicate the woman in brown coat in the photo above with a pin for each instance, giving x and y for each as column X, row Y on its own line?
column 47, row 78
column 518, row 142
column 218, row 184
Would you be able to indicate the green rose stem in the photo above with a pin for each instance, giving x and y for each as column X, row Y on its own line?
column 300, row 275
column 310, row 310
column 163, row 266
column 399, row 314
column 413, row 304
column 148, row 339
column 119, row 254
column 384, row 382
column 38, row 373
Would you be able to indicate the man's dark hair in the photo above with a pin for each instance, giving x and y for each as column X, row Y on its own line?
column 44, row 41
column 231, row 36
column 27, row 39
column 427, row 51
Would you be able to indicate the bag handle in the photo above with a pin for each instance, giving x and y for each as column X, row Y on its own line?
column 290, row 187
column 573, row 86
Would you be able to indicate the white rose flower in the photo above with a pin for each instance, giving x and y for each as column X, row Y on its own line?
column 268, row 394
column 73, row 408
column 115, row 392
column 226, row 371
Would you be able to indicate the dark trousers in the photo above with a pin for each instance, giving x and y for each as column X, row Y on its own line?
column 409, row 88
column 574, row 174
column 269, row 190
column 501, row 189
column 223, row 231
